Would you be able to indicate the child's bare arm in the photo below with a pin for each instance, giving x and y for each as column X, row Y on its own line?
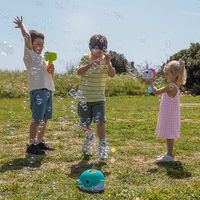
column 84, row 68
column 170, row 89
column 111, row 69
column 19, row 22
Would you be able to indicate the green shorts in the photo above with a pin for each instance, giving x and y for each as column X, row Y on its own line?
column 89, row 111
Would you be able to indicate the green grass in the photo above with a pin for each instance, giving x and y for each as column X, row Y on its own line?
column 131, row 171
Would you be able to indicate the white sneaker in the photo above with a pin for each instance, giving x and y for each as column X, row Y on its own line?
column 103, row 152
column 88, row 142
column 166, row 158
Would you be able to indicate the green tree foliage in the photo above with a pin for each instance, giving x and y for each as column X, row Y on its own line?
column 119, row 62
column 192, row 58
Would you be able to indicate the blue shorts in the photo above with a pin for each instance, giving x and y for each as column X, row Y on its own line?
column 89, row 111
column 41, row 104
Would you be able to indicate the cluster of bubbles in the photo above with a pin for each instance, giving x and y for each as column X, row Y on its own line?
column 6, row 48
column 115, row 14
column 41, row 126
column 142, row 40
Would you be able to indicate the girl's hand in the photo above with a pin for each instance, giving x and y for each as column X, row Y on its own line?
column 18, row 21
column 149, row 82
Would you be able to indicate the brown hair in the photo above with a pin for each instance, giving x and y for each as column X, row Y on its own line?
column 98, row 41
column 36, row 34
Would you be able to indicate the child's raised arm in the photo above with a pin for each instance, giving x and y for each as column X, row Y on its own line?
column 19, row 22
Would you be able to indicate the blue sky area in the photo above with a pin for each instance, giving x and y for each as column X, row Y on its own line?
column 143, row 30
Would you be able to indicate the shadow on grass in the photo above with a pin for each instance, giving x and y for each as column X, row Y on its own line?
column 77, row 169
column 175, row 169
column 31, row 161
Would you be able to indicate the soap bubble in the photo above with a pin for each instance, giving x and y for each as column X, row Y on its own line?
column 6, row 48
column 97, row 117
column 39, row 100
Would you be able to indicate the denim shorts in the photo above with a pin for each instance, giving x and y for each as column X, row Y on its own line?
column 41, row 104
column 89, row 111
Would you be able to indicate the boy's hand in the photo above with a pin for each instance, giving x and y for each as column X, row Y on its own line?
column 50, row 69
column 94, row 62
column 19, row 24
column 18, row 21
column 107, row 58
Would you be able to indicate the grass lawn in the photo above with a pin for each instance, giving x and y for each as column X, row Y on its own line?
column 131, row 171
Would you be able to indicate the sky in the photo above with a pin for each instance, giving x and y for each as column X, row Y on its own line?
column 143, row 30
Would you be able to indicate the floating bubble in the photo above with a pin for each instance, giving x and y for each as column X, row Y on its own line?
column 48, row 94
column 49, row 109
column 6, row 49
column 5, row 16
column 168, row 43
column 10, row 163
column 118, row 14
column 72, row 106
column 39, row 101
column 143, row 40
column 97, row 117
column 38, row 3
column 83, row 124
column 72, row 92
column 53, row 184
column 83, row 105
column 34, row 71
column 88, row 120
column 59, row 5
column 31, row 160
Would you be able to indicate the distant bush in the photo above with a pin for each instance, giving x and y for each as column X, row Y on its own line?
column 15, row 84
column 122, row 85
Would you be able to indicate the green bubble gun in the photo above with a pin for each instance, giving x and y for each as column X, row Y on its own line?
column 50, row 57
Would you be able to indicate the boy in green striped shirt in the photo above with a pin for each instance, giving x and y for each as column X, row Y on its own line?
column 94, row 69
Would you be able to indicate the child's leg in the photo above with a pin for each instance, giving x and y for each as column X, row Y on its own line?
column 101, row 129
column 40, row 131
column 33, row 147
column 170, row 147
column 33, row 130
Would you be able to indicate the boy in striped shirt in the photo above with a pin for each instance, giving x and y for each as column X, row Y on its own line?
column 94, row 69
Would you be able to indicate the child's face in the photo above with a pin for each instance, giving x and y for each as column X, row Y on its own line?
column 169, row 75
column 38, row 45
column 97, row 53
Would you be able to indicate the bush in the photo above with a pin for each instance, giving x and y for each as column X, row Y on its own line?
column 14, row 85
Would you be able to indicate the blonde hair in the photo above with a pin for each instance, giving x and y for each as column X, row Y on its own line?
column 178, row 69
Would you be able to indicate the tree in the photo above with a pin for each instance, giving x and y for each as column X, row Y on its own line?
column 192, row 58
column 118, row 61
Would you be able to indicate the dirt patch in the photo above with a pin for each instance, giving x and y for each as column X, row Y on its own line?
column 189, row 104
